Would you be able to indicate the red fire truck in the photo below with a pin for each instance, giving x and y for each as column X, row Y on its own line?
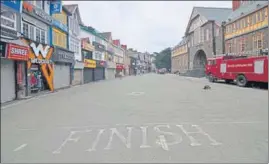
column 241, row 69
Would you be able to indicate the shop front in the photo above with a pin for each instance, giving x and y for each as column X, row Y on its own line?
column 119, row 69
column 13, row 71
column 110, row 70
column 99, row 71
column 88, row 71
column 63, row 64
column 40, row 67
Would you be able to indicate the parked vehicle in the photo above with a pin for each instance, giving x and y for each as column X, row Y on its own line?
column 241, row 69
column 162, row 71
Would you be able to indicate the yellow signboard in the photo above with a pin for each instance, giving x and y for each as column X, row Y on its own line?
column 89, row 63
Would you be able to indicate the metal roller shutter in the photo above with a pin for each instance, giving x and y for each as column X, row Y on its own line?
column 99, row 74
column 8, row 92
column 61, row 76
column 88, row 75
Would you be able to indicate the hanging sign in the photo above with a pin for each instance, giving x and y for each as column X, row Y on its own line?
column 55, row 6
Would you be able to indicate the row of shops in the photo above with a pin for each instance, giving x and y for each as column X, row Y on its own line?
column 33, row 67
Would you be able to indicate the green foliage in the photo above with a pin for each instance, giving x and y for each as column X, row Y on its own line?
column 163, row 59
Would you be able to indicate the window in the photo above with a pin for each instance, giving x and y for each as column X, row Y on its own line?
column 258, row 16
column 38, row 35
column 32, row 33
column 25, row 30
column 43, row 36
column 253, row 19
column 217, row 31
column 8, row 20
column 243, row 45
column 266, row 13
column 207, row 34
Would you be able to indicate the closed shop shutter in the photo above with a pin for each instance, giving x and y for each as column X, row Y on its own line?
column 77, row 77
column 88, row 75
column 99, row 74
column 111, row 73
column 61, row 75
column 8, row 92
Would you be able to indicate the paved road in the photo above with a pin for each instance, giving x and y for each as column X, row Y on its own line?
column 149, row 118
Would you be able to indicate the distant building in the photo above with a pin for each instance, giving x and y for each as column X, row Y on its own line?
column 180, row 57
column 246, row 28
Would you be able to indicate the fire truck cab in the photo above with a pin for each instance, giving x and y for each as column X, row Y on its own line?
column 241, row 69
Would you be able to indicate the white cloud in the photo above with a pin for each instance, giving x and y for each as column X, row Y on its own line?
column 142, row 25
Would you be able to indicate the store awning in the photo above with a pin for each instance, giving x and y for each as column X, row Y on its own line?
column 17, row 41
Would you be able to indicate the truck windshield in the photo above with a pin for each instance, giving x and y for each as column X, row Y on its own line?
column 211, row 62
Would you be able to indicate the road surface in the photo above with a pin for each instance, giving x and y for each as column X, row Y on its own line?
column 148, row 118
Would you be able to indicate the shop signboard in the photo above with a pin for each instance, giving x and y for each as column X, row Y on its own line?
column 60, row 25
column 101, row 63
column 17, row 52
column 63, row 55
column 99, row 46
column 6, row 32
column 88, row 63
column 14, row 4
column 55, row 6
column 86, row 45
column 36, row 12
column 41, row 54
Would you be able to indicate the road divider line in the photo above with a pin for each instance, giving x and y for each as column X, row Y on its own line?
column 20, row 147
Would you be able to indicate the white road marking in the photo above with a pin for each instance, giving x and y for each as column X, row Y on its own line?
column 144, row 137
column 69, row 138
column 162, row 140
column 136, row 93
column 194, row 142
column 20, row 147
column 93, row 148
column 125, row 140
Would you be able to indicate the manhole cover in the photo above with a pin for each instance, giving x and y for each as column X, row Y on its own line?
column 136, row 93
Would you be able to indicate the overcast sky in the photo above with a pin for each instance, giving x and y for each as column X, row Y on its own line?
column 145, row 26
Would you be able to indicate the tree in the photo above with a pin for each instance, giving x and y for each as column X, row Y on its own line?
column 163, row 59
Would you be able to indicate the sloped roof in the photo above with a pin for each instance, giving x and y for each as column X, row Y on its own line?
column 71, row 8
column 106, row 35
column 210, row 13
column 216, row 14
column 246, row 9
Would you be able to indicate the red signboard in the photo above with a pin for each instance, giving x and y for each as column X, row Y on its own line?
column 17, row 52
column 120, row 66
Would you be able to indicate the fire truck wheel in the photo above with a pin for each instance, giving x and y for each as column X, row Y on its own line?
column 241, row 81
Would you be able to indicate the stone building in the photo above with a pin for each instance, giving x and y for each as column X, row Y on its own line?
column 246, row 28
column 204, row 35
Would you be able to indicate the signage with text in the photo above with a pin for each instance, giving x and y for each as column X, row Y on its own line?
column 17, row 52
column 59, row 25
column 62, row 55
column 88, row 63
column 55, row 6
column 37, row 13
column 86, row 45
column 14, row 4
column 41, row 54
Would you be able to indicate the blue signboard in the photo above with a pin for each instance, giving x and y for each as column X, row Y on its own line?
column 55, row 7
column 14, row 4
column 59, row 25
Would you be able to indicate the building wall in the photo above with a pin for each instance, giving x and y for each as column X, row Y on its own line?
column 206, row 42
column 248, row 34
